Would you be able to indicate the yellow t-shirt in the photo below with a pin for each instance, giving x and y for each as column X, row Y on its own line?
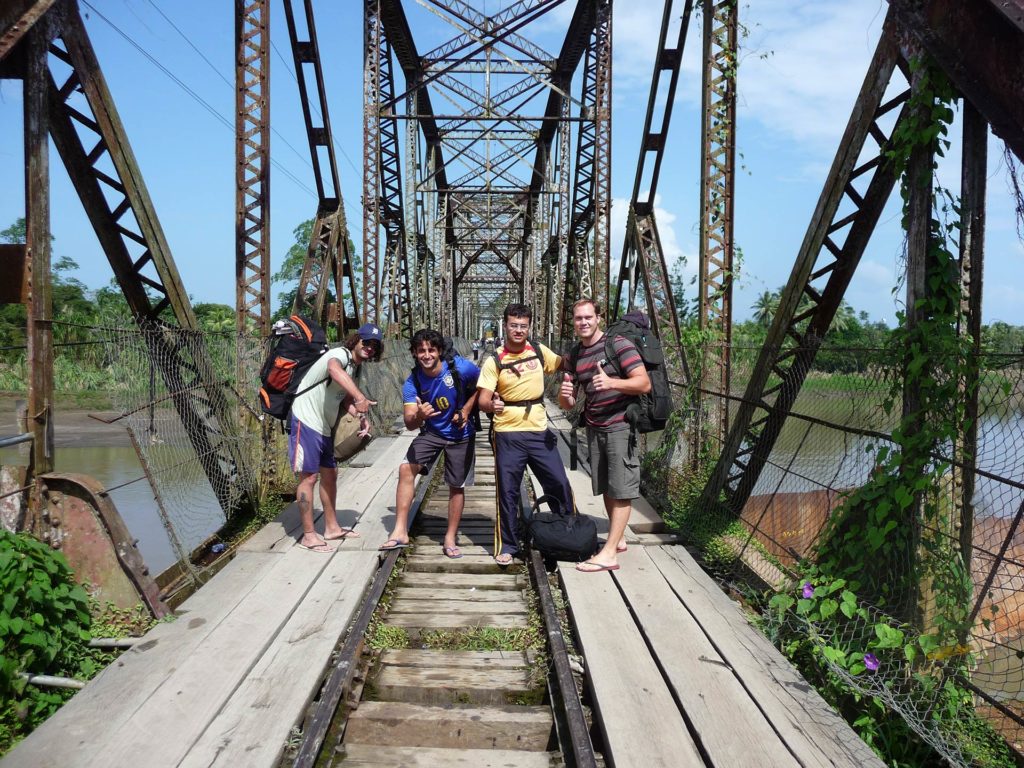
column 527, row 385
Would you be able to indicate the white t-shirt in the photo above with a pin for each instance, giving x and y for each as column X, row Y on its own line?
column 317, row 408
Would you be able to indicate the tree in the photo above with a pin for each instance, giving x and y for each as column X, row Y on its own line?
column 765, row 307
column 291, row 269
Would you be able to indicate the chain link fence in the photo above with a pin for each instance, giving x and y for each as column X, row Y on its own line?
column 832, row 443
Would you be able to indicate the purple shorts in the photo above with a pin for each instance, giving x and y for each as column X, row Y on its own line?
column 308, row 450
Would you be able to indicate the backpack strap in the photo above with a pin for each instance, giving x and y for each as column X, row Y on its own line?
column 611, row 357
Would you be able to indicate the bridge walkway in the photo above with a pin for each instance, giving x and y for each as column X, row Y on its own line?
column 675, row 674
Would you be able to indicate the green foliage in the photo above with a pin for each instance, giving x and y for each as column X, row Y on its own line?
column 44, row 628
column 888, row 545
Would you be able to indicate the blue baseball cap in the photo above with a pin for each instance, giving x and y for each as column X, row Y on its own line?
column 371, row 332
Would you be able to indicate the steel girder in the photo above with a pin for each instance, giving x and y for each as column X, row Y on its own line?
column 16, row 18
column 643, row 260
column 718, row 150
column 823, row 270
column 497, row 215
column 978, row 45
column 382, row 184
column 587, row 267
column 252, row 166
column 89, row 135
column 329, row 258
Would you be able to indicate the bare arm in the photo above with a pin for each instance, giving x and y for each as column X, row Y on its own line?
column 354, row 399
column 637, row 382
column 415, row 415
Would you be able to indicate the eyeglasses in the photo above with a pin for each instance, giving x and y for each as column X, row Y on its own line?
column 519, row 326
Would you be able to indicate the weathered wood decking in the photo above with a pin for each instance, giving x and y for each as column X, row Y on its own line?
column 676, row 675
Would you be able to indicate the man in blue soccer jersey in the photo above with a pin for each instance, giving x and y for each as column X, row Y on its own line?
column 439, row 402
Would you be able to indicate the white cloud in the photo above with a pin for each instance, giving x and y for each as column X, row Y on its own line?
column 670, row 244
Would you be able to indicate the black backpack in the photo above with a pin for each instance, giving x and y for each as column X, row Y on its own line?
column 294, row 345
column 650, row 412
column 560, row 536
column 448, row 355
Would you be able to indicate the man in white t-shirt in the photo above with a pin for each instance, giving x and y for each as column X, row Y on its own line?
column 327, row 388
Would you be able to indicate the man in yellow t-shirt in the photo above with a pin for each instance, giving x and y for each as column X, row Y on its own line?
column 511, row 388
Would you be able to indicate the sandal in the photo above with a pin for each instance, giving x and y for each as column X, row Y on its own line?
column 452, row 553
column 503, row 559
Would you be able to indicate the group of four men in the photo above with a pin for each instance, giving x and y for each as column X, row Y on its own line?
column 509, row 387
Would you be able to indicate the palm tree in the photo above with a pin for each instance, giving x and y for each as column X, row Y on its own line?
column 844, row 319
column 765, row 307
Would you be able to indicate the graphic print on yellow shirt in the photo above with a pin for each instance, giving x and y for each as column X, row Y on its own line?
column 527, row 385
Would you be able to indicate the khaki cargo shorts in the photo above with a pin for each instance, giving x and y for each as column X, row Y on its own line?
column 614, row 463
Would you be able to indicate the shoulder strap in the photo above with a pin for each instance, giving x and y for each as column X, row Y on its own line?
column 610, row 355
column 574, row 353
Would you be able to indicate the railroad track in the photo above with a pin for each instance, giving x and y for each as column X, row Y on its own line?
column 418, row 706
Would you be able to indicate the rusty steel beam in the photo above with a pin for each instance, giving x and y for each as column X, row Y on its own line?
column 587, row 266
column 980, row 46
column 252, row 167
column 39, row 331
column 795, row 336
column 17, row 18
column 718, row 166
column 133, row 240
column 330, row 253
column 643, row 260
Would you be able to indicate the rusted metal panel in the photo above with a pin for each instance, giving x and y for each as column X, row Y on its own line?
column 13, row 274
column 80, row 520
column 980, row 45
column 252, row 169
column 790, row 348
column 17, row 18
column 39, row 331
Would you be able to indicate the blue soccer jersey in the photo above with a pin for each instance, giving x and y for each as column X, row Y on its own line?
column 440, row 392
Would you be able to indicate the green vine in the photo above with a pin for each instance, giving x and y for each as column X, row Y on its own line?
column 893, row 544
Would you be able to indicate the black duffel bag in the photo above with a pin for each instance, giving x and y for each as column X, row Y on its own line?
column 559, row 536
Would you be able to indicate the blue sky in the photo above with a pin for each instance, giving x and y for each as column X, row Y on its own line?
column 802, row 64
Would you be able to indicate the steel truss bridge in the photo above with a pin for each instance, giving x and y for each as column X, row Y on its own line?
column 475, row 195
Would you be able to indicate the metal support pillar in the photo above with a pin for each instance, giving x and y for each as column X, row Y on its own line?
column 828, row 256
column 718, row 150
column 37, row 229
column 252, row 167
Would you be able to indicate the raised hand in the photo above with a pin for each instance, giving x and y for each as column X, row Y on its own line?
column 568, row 390
column 602, row 381
column 426, row 410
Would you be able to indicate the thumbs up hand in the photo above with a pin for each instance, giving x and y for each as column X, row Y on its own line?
column 568, row 390
column 497, row 404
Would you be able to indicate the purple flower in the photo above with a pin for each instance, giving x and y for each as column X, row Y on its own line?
column 871, row 662
column 808, row 590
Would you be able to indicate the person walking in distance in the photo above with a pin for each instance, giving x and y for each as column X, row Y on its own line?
column 435, row 402
column 614, row 459
column 511, row 388
column 314, row 417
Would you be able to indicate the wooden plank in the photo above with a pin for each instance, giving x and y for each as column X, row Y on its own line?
column 628, row 691
column 254, row 725
column 807, row 724
column 460, row 580
column 466, row 593
column 187, row 700
column 452, row 685
column 438, row 563
column 512, row 605
column 456, row 620
column 426, row 657
column 372, row 453
column 373, row 756
column 729, row 726
column 378, row 516
column 89, row 720
column 403, row 724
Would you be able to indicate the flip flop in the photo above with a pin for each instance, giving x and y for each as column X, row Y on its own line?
column 346, row 533
column 323, row 547
column 595, row 567
column 391, row 544
column 503, row 559
column 621, row 549
column 452, row 553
